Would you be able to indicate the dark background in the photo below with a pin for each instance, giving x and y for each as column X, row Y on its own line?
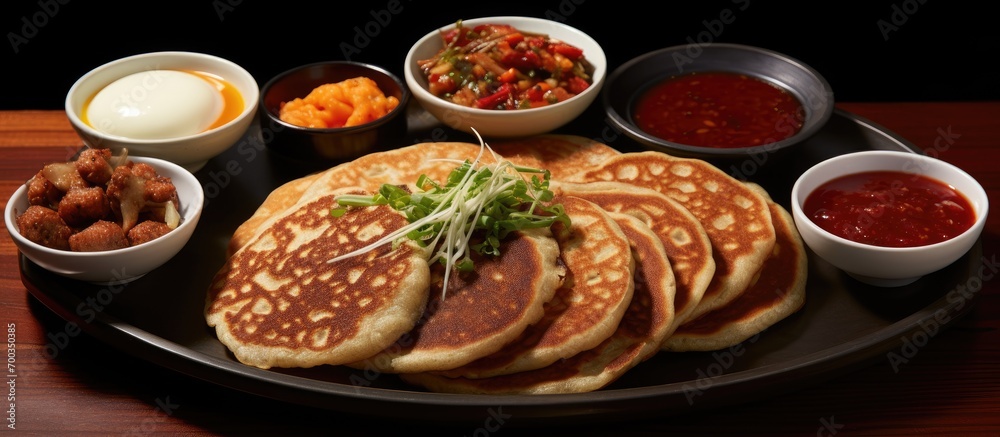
column 905, row 50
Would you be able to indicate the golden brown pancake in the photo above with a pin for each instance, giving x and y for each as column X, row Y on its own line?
column 778, row 291
column 648, row 320
column 399, row 167
column 275, row 203
column 278, row 302
column 481, row 311
column 586, row 309
column 683, row 237
column 561, row 155
column 735, row 217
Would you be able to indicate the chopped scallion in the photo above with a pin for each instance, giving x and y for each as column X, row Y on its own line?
column 481, row 202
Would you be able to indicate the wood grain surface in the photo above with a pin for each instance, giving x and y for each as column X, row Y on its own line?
column 950, row 386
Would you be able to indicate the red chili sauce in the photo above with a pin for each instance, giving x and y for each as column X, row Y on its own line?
column 718, row 109
column 891, row 209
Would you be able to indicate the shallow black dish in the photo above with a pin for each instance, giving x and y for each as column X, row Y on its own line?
column 631, row 79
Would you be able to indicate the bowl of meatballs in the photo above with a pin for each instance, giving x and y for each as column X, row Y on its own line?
column 104, row 218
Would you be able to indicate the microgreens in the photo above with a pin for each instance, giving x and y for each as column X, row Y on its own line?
column 474, row 210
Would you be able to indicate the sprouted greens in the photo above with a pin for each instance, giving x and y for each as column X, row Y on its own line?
column 475, row 209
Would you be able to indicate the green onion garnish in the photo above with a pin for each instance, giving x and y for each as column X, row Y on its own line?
column 485, row 201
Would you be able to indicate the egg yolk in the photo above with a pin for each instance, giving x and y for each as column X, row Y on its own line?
column 162, row 104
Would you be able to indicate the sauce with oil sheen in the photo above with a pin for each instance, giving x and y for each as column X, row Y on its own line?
column 718, row 109
column 890, row 209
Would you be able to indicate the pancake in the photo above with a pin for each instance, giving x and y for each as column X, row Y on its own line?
column 684, row 239
column 481, row 311
column 277, row 302
column 561, row 155
column 778, row 291
column 586, row 309
column 398, row 166
column 648, row 320
column 735, row 217
column 275, row 203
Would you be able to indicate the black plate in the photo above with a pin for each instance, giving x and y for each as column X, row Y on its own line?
column 843, row 325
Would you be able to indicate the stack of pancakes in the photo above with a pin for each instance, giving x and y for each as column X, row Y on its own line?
column 664, row 254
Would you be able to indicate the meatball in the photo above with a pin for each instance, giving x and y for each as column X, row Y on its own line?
column 160, row 189
column 100, row 236
column 136, row 191
column 44, row 226
column 94, row 166
column 82, row 206
column 142, row 169
column 147, row 231
column 41, row 191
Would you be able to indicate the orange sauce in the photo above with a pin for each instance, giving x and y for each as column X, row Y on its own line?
column 232, row 99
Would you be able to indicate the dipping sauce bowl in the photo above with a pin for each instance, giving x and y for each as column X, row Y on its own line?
column 903, row 258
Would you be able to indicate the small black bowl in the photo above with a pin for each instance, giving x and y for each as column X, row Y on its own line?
column 630, row 80
column 318, row 147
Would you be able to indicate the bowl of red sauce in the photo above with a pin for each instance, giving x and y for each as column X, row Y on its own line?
column 717, row 100
column 888, row 218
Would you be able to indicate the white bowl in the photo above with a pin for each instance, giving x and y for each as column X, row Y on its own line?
column 887, row 266
column 190, row 151
column 120, row 265
column 510, row 123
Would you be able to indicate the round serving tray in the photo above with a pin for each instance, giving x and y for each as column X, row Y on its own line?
column 843, row 325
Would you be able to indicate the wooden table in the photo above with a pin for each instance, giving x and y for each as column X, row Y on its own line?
column 950, row 387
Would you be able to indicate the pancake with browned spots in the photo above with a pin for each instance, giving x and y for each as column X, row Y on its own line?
column 481, row 311
column 561, row 155
column 398, row 167
column 686, row 243
column 278, row 302
column 586, row 309
column 648, row 320
column 735, row 217
column 778, row 291
column 275, row 203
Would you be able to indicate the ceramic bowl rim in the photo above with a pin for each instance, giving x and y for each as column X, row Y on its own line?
column 191, row 212
column 598, row 76
column 978, row 199
column 250, row 96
